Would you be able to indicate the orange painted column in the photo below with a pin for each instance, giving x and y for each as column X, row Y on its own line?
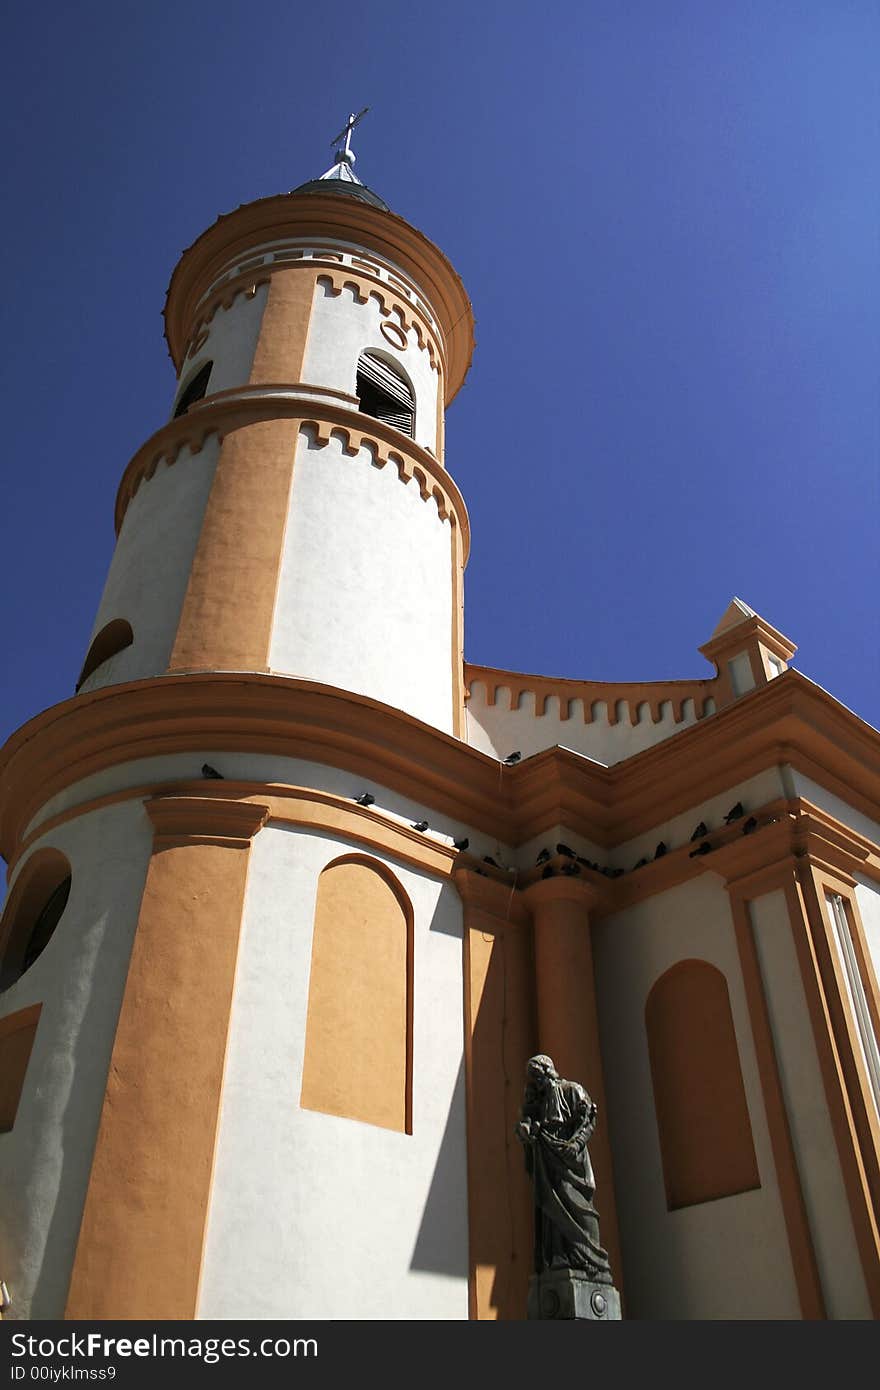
column 284, row 330
column 228, row 609
column 854, row 1125
column 800, row 1239
column 568, row 1023
column 499, row 1039
column 140, row 1245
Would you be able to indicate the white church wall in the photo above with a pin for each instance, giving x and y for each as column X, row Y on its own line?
column 261, row 769
column 79, row 979
column 753, row 793
column 341, row 329
column 365, row 592
column 230, row 345
column 313, row 1215
column 835, row 806
column 498, row 729
column 679, row 1264
column 151, row 564
column 818, row 1163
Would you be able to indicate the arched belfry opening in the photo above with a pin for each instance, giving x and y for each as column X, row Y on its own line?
column 385, row 393
column 194, row 390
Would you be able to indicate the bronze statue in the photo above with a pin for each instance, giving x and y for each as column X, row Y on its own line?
column 556, row 1121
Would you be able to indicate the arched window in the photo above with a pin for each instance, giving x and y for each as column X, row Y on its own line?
column 702, row 1117
column 194, row 390
column 114, row 637
column 384, row 393
column 35, row 907
column 17, row 1033
column 358, row 1053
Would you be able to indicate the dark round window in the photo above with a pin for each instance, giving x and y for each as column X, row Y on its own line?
column 44, row 926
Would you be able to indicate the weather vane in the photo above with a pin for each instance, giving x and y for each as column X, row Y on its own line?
column 346, row 155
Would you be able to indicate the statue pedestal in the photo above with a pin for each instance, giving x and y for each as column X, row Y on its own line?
column 568, row 1293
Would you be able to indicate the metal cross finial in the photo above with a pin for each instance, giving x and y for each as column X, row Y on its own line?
column 346, row 154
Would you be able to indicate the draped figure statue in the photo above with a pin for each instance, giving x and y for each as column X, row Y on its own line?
column 556, row 1122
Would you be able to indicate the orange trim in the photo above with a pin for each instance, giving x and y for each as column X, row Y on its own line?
column 459, row 720
column 284, row 331
column 568, row 1019
column 367, row 287
column 797, row 1226
column 499, row 1039
column 706, row 1143
column 287, row 806
column 863, row 957
column 226, row 412
column 789, row 720
column 44, row 871
column 302, row 217
column 17, row 1034
column 226, row 621
column 633, row 694
column 808, row 926
column 141, row 1239
column 359, row 1022
column 818, row 887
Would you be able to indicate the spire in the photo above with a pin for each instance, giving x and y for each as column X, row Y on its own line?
column 341, row 168
column 340, row 177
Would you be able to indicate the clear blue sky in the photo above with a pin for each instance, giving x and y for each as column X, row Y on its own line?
column 666, row 215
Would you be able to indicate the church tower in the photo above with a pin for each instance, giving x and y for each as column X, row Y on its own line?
column 295, row 893
column 254, row 955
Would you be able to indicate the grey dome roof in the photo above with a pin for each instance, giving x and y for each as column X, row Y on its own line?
column 343, row 188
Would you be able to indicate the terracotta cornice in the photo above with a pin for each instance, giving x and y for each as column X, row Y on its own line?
column 797, row 831
column 740, row 634
column 581, row 890
column 334, row 218
column 205, row 819
column 788, row 721
column 490, row 897
column 241, row 406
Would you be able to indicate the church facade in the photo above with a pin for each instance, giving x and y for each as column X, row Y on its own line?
column 295, row 892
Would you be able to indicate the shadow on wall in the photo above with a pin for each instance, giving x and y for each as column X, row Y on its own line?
column 83, row 1042
column 443, row 1230
column 498, row 975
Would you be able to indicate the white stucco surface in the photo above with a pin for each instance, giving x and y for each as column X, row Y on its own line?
column 754, row 793
column 341, row 329
column 721, row 1259
column 45, row 1160
column 151, row 565
column 231, row 344
column 835, row 806
column 260, row 768
column 313, row 1216
column 365, row 592
column 497, row 729
column 818, row 1162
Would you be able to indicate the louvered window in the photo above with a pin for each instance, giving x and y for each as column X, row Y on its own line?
column 384, row 394
column 194, row 391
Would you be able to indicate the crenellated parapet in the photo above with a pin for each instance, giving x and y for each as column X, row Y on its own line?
column 610, row 722
column 322, row 414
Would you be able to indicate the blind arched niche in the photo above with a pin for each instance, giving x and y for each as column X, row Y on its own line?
column 358, row 1050
column 702, row 1116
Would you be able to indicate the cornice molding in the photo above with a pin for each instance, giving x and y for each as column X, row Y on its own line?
column 339, row 277
column 313, row 215
column 205, row 820
column 788, row 721
column 241, row 406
